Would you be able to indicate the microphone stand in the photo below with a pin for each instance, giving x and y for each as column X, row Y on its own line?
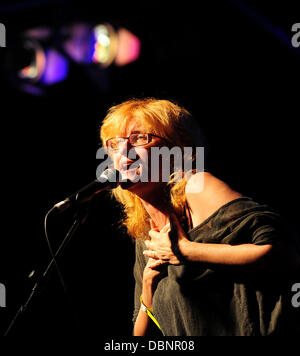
column 80, row 217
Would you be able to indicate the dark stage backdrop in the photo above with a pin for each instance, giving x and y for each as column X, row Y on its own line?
column 226, row 63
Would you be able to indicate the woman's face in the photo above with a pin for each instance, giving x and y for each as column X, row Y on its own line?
column 134, row 163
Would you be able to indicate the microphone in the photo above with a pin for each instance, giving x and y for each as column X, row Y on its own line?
column 109, row 179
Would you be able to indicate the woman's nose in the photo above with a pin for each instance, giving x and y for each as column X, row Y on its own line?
column 124, row 148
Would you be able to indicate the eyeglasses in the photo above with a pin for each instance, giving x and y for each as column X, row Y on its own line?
column 135, row 139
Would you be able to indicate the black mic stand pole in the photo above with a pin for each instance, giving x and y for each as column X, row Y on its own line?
column 80, row 217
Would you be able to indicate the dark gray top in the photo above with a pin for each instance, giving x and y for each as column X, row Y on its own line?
column 196, row 299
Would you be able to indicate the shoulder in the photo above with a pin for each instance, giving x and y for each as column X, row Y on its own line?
column 205, row 194
column 195, row 183
column 205, row 186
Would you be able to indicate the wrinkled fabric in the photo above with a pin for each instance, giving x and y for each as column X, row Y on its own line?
column 198, row 300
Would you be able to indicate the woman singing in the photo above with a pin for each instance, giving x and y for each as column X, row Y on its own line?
column 209, row 261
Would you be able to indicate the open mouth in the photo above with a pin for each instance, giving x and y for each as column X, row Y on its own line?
column 130, row 169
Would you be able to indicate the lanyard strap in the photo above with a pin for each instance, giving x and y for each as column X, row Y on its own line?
column 149, row 312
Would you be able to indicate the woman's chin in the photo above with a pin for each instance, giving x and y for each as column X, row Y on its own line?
column 132, row 179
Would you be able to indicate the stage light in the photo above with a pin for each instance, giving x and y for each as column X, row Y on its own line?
column 77, row 42
column 129, row 47
column 106, row 45
column 45, row 66
column 101, row 44
column 41, row 56
column 37, row 61
column 119, row 46
column 56, row 68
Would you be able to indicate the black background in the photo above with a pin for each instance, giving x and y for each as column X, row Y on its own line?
column 220, row 60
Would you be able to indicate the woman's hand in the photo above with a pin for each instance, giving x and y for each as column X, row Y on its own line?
column 152, row 271
column 160, row 246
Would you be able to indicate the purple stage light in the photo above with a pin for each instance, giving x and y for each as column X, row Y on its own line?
column 56, row 69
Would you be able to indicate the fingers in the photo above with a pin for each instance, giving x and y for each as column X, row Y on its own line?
column 157, row 263
column 155, row 256
column 166, row 228
column 154, row 234
column 154, row 227
column 149, row 245
column 151, row 254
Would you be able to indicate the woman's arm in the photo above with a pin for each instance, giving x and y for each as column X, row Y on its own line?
column 151, row 272
column 142, row 321
column 254, row 257
column 159, row 247
column 224, row 254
